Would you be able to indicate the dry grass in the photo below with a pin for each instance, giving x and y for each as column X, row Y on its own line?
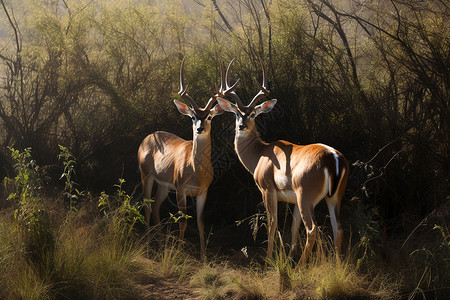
column 330, row 278
column 18, row 279
column 87, row 262
column 219, row 281
column 174, row 258
column 93, row 260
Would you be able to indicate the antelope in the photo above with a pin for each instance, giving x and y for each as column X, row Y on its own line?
column 283, row 171
column 180, row 165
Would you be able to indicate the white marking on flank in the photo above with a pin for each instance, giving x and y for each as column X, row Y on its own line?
column 328, row 180
column 336, row 157
column 282, row 181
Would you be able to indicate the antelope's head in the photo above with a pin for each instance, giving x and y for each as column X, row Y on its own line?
column 246, row 114
column 201, row 116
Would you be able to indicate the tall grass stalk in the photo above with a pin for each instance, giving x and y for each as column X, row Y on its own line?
column 174, row 258
column 282, row 264
column 325, row 276
column 19, row 279
column 219, row 281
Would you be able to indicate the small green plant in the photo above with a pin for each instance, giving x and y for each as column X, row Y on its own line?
column 428, row 264
column 69, row 161
column 179, row 216
column 124, row 212
column 27, row 182
column 369, row 233
column 32, row 219
column 445, row 236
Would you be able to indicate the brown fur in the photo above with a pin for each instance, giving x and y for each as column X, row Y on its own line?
column 282, row 169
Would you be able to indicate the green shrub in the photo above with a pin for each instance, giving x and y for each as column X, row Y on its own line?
column 32, row 219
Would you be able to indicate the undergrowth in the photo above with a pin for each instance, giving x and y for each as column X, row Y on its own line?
column 93, row 248
column 72, row 259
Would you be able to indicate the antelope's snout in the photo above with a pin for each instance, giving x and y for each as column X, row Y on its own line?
column 200, row 129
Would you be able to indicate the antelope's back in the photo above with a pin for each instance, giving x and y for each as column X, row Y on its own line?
column 159, row 152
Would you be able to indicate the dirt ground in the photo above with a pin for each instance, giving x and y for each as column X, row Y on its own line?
column 168, row 289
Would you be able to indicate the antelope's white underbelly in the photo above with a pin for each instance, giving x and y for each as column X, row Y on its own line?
column 191, row 190
column 167, row 185
column 287, row 196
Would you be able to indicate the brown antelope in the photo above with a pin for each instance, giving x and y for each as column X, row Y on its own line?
column 302, row 175
column 180, row 165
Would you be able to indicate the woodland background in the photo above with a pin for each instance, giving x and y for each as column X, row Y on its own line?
column 369, row 78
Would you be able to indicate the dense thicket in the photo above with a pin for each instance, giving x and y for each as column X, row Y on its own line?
column 370, row 78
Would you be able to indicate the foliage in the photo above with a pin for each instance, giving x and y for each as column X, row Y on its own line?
column 426, row 251
column 27, row 179
column 124, row 212
column 369, row 78
column 69, row 161
column 344, row 75
column 31, row 216
column 57, row 260
column 179, row 216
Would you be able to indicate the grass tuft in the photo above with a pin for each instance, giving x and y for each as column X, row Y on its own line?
column 173, row 258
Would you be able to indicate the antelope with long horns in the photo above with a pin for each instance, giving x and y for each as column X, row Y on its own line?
column 302, row 175
column 180, row 165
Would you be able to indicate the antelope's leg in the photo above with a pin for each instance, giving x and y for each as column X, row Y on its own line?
column 271, row 204
column 147, row 185
column 160, row 197
column 333, row 208
column 294, row 230
column 181, row 202
column 201, row 201
column 307, row 214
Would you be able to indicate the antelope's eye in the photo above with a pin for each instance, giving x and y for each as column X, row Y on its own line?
column 209, row 118
column 252, row 115
column 193, row 118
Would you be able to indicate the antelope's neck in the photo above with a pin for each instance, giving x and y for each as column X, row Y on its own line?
column 248, row 147
column 201, row 151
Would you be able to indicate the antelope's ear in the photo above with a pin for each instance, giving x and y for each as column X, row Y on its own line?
column 265, row 107
column 226, row 105
column 183, row 108
column 217, row 110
